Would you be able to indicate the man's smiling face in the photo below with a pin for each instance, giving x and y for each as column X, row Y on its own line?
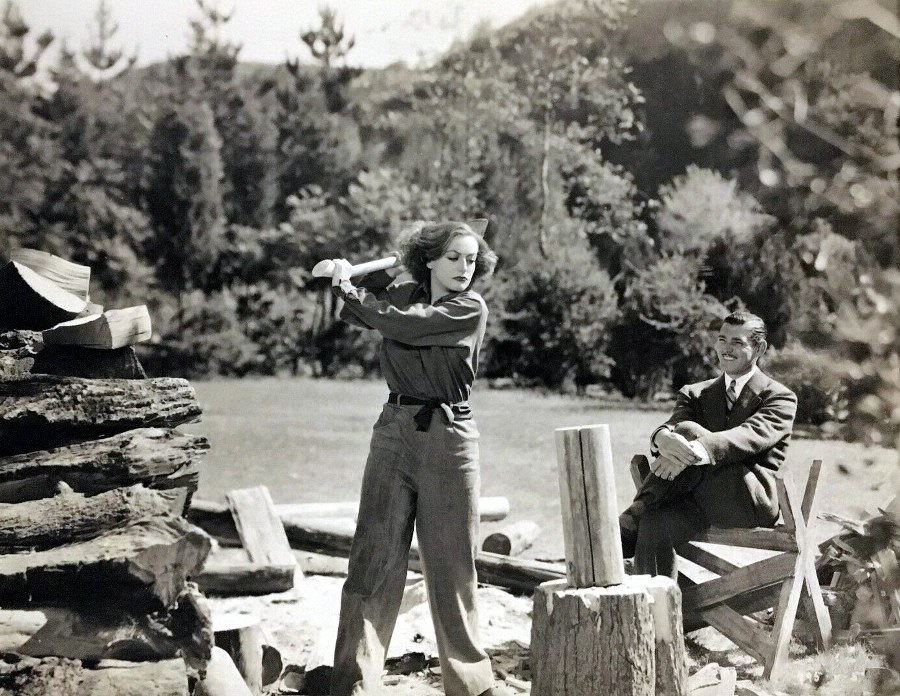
column 736, row 351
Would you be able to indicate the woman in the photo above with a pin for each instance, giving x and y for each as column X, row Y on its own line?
column 423, row 459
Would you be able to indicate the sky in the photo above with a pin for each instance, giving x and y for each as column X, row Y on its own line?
column 386, row 31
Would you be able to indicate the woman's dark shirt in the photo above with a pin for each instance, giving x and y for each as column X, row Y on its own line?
column 429, row 351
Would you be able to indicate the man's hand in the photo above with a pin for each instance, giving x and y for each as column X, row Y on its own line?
column 667, row 468
column 342, row 269
column 675, row 447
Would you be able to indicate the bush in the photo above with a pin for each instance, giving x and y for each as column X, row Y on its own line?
column 553, row 325
column 664, row 338
column 816, row 378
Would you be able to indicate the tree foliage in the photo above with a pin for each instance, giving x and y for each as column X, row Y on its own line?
column 645, row 170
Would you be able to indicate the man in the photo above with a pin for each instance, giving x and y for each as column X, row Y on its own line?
column 716, row 455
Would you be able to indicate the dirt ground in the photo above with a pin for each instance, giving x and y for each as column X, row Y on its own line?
column 301, row 624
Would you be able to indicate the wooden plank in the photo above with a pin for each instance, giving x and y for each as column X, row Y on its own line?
column 790, row 593
column 740, row 630
column 809, row 492
column 787, row 513
column 741, row 580
column 706, row 558
column 779, row 539
column 231, row 572
column 259, row 526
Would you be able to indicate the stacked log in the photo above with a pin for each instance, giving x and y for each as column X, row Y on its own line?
column 96, row 554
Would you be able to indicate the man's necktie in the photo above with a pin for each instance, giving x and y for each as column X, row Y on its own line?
column 730, row 396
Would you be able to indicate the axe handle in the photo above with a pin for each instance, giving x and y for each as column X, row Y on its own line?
column 325, row 268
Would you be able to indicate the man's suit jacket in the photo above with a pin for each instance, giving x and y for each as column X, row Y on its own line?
column 747, row 446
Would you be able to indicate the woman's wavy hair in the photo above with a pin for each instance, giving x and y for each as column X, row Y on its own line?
column 429, row 242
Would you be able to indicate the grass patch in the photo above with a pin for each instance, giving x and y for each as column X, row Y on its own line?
column 840, row 671
column 307, row 440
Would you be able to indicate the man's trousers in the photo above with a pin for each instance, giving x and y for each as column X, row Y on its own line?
column 666, row 514
column 430, row 479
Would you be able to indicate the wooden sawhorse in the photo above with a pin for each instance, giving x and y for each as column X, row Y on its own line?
column 726, row 601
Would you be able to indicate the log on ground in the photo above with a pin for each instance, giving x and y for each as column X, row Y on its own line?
column 334, row 536
column 512, row 539
column 29, row 676
column 216, row 519
column 149, row 561
column 41, row 410
column 159, row 458
column 70, row 517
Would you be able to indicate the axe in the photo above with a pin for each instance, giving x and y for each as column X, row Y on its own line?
column 325, row 268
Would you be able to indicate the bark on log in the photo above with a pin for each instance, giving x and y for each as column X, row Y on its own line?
column 148, row 561
column 41, row 410
column 70, row 517
column 29, row 676
column 592, row 641
column 156, row 457
column 512, row 539
column 99, row 630
column 30, row 301
column 17, row 352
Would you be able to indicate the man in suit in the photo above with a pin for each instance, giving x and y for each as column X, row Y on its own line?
column 716, row 455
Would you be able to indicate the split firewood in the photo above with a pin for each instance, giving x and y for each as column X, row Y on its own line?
column 156, row 457
column 69, row 516
column 148, row 561
column 71, row 277
column 30, row 301
column 40, row 409
column 111, row 329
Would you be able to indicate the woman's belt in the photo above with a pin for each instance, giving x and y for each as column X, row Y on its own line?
column 459, row 410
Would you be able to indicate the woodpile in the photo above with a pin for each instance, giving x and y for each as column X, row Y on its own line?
column 97, row 558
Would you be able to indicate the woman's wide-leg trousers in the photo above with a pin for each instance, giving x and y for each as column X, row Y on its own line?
column 431, row 480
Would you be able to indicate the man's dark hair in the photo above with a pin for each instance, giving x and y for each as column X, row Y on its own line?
column 756, row 325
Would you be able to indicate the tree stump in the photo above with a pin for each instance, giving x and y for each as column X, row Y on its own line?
column 622, row 639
